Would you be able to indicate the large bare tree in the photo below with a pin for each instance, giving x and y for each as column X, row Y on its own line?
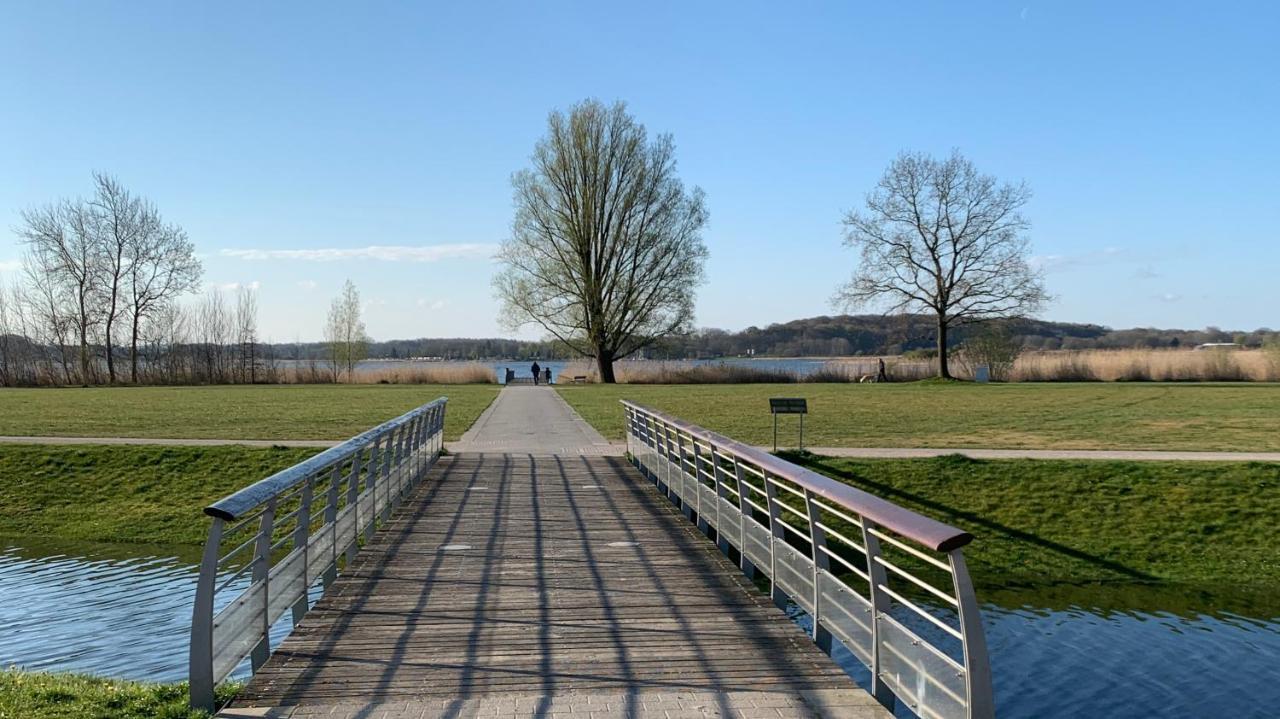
column 938, row 237
column 606, row 247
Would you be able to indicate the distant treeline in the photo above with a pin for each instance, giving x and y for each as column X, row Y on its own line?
column 840, row 336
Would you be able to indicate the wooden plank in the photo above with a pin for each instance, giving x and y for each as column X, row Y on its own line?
column 518, row 575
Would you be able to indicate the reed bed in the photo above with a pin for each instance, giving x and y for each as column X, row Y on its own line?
column 469, row 373
column 1136, row 365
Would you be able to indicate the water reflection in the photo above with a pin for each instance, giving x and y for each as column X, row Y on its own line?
column 101, row 609
column 1128, row 650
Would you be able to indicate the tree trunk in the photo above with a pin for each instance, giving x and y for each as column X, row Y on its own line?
column 943, row 370
column 604, row 363
column 133, row 350
column 111, row 360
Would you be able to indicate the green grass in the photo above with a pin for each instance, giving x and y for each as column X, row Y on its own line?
column 1044, row 522
column 1229, row 417
column 271, row 412
column 127, row 494
column 37, row 695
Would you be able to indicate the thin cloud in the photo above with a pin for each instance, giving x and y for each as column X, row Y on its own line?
column 10, row 265
column 233, row 286
column 383, row 253
column 308, row 284
column 1169, row 297
column 1054, row 263
column 433, row 305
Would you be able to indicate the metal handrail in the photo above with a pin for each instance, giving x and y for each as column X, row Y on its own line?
column 294, row 544
column 929, row 654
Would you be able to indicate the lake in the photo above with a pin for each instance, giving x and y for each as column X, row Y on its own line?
column 1121, row 650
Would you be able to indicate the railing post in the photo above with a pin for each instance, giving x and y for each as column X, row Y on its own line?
column 301, row 536
column 262, row 573
column 372, row 485
column 717, row 471
column 200, row 664
column 879, row 604
column 748, row 568
column 388, row 465
column 697, row 488
column 776, row 535
column 821, row 562
column 353, row 502
column 331, row 519
column 977, row 666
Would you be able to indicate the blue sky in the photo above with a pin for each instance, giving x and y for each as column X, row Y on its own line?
column 289, row 138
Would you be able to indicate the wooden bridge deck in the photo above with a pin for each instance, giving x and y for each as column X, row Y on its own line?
column 520, row 585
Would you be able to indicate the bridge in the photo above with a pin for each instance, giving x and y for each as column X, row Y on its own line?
column 538, row 571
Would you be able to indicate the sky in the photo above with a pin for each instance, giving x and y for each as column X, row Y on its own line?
column 301, row 144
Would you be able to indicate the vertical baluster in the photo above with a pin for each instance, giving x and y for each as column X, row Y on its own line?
column 262, row 573
column 777, row 535
column 371, row 487
column 353, row 503
column 722, row 495
column 977, row 666
column 301, row 535
column 818, row 542
column 879, row 605
column 745, row 509
column 331, row 521
column 388, row 460
column 200, row 663
column 697, row 486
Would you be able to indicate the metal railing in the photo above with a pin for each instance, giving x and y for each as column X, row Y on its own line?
column 889, row 583
column 272, row 541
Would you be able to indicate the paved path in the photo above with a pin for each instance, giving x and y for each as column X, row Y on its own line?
column 514, row 585
column 533, row 419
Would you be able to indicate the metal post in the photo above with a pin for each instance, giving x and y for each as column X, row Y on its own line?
column 802, row 431
column 261, row 573
column 698, row 489
column 775, row 431
column 748, row 568
column 821, row 563
column 372, row 486
column 693, row 497
column 776, row 535
column 301, row 535
column 200, row 664
column 331, row 519
column 879, row 605
column 353, row 503
column 977, row 666
column 388, row 459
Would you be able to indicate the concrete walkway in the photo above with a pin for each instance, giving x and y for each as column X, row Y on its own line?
column 529, row 419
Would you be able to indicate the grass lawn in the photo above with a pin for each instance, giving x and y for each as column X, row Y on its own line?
column 230, row 412
column 134, row 494
column 1239, row 417
column 1042, row 522
column 37, row 695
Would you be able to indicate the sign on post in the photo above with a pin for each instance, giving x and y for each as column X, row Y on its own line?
column 788, row 405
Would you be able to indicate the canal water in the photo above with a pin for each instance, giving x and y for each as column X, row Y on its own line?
column 1100, row 651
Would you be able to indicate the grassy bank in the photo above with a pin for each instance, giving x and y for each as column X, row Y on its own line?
column 135, row 494
column 1030, row 416
column 37, row 695
column 1045, row 522
column 230, row 412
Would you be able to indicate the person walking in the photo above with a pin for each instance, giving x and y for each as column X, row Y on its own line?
column 536, row 369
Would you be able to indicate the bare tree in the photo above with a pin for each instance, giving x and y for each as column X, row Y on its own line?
column 247, row 334
column 345, row 333
column 119, row 218
column 940, row 238
column 606, row 245
column 64, row 256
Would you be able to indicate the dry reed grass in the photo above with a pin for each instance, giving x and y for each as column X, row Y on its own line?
column 469, row 373
column 1137, row 365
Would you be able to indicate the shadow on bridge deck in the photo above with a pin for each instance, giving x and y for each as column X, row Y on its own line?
column 527, row 585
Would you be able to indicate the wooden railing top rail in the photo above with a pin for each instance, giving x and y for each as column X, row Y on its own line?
column 242, row 501
column 926, row 531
